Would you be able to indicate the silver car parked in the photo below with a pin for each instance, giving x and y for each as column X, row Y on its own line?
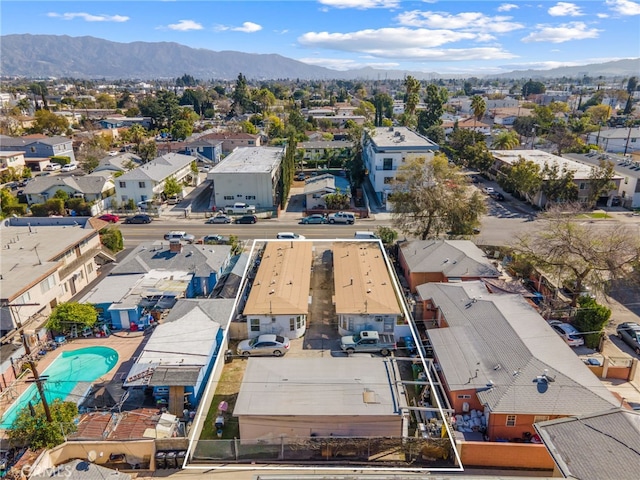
column 267, row 344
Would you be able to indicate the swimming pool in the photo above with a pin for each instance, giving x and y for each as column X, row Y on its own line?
column 66, row 372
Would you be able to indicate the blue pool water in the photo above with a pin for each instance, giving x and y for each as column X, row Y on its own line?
column 82, row 365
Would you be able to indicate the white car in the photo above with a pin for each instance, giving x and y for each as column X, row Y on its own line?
column 69, row 167
column 568, row 332
column 183, row 236
column 289, row 236
column 489, row 190
column 52, row 167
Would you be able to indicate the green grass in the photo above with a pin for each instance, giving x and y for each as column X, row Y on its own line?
column 596, row 215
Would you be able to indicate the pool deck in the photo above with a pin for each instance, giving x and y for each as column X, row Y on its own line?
column 127, row 344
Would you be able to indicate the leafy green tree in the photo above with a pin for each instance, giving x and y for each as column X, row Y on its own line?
column 427, row 196
column 236, row 245
column 248, row 127
column 435, row 133
column 194, row 167
column 111, row 238
column 64, row 196
column 558, row 186
column 387, row 235
column 241, row 96
column 632, row 84
column 591, row 317
column 431, row 115
column 181, row 130
column 49, row 123
column 411, row 99
column 147, row 151
column 39, row 89
column 384, row 108
column 8, row 202
column 563, row 137
column 525, row 126
column 522, row 177
column 53, row 206
column 532, row 88
column 506, row 140
column 628, row 108
column 36, row 432
column 171, row 187
column 136, row 134
column 601, row 180
column 337, row 201
column 599, row 114
column 67, row 314
column 263, row 99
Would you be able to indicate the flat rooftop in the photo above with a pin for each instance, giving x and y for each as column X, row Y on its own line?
column 251, row 160
column 540, row 158
column 400, row 137
column 28, row 253
column 319, row 386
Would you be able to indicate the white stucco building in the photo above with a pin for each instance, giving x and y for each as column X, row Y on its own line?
column 249, row 175
column 147, row 181
column 386, row 149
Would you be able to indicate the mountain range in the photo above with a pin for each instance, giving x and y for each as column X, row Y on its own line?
column 37, row 56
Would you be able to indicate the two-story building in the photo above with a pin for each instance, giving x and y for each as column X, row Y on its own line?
column 248, row 175
column 332, row 153
column 279, row 298
column 617, row 140
column 386, row 149
column 12, row 160
column 232, row 140
column 45, row 261
column 582, row 174
column 147, row 181
column 121, row 162
column 37, row 147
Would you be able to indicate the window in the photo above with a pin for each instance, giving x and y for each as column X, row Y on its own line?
column 464, row 397
column 540, row 418
column 47, row 284
column 388, row 180
column 254, row 324
column 511, row 421
column 33, row 149
column 90, row 268
column 583, row 185
column 387, row 163
column 141, row 185
column 24, row 298
column 292, row 324
column 250, row 197
column 123, row 184
column 229, row 197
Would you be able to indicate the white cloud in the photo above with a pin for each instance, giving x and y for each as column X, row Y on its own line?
column 361, row 4
column 469, row 21
column 565, row 9
column 185, row 26
column 346, row 64
column 246, row 27
column 88, row 17
column 403, row 43
column 602, row 15
column 624, row 7
column 562, row 33
column 507, row 7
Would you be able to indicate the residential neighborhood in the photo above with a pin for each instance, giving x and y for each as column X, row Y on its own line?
column 389, row 278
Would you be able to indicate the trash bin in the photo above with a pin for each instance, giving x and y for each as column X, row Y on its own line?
column 228, row 356
column 171, row 459
column 180, row 457
column 161, row 460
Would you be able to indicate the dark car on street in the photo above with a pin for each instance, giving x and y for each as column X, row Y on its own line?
column 629, row 333
column 247, row 219
column 315, row 218
column 141, row 218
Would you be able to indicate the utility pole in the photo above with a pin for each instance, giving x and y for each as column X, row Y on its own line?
column 36, row 377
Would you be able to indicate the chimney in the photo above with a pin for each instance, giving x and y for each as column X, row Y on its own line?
column 175, row 246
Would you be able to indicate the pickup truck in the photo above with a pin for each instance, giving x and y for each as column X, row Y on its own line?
column 239, row 208
column 369, row 341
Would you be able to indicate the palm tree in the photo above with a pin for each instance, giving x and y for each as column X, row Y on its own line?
column 479, row 107
column 506, row 140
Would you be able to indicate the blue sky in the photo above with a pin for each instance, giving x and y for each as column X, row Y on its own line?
column 479, row 37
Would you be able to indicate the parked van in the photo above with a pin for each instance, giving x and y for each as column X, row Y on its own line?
column 289, row 236
column 365, row 236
